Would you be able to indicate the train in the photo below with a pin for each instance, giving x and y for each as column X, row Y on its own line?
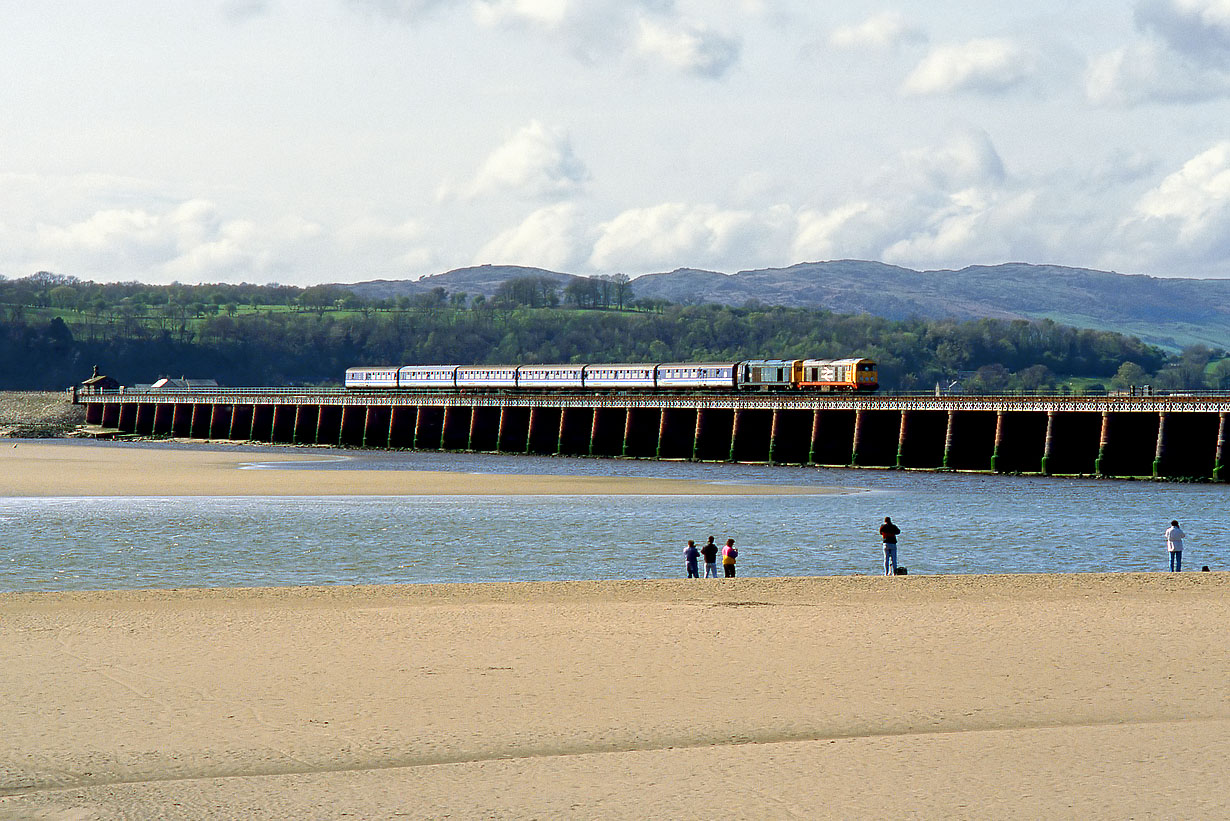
column 846, row 375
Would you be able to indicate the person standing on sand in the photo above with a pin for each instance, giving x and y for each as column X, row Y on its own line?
column 709, row 551
column 690, row 556
column 888, row 532
column 1174, row 546
column 729, row 554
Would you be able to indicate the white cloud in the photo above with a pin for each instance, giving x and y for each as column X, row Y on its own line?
column 228, row 252
column 548, row 13
column 110, row 227
column 1197, row 28
column 399, row 246
column 536, row 162
column 1189, row 208
column 551, row 237
column 1148, row 72
column 984, row 65
column 688, row 47
column 598, row 30
column 883, row 31
column 972, row 224
column 403, row 11
column 190, row 241
column 943, row 205
column 123, row 236
column 847, row 230
column 1182, row 56
column 240, row 10
column 932, row 206
column 967, row 160
column 363, row 232
column 675, row 234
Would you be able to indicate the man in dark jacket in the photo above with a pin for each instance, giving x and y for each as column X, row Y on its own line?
column 888, row 532
column 709, row 551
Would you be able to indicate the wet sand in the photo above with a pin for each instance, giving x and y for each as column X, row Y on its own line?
column 56, row 469
column 1081, row 696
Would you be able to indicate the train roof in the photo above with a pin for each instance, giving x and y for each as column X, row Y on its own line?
column 697, row 364
column 850, row 361
column 622, row 365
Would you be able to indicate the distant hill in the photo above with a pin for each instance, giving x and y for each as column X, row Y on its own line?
column 481, row 279
column 1167, row 312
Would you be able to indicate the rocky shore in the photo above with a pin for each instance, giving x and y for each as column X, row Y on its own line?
column 38, row 414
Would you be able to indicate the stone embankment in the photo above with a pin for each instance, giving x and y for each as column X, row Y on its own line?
column 38, row 414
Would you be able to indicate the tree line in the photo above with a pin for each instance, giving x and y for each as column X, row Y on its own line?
column 283, row 335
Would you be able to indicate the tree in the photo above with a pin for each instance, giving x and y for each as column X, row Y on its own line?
column 1169, row 378
column 1192, row 364
column 622, row 286
column 44, row 281
column 1219, row 375
column 1035, row 377
column 583, row 292
column 63, row 296
column 990, row 379
column 58, row 334
column 1128, row 375
column 321, row 297
column 432, row 300
column 531, row 292
column 953, row 355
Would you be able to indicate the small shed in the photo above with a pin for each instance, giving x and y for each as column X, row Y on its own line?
column 99, row 382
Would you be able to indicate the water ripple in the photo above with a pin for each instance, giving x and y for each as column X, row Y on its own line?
column 950, row 523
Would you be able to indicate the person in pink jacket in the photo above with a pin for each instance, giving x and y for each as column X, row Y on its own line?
column 729, row 554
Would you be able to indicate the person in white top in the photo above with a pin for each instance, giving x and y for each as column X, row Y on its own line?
column 1174, row 546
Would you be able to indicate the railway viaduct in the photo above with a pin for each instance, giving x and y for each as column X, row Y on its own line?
column 1122, row 436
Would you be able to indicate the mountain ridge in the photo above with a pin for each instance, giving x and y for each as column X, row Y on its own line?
column 1171, row 312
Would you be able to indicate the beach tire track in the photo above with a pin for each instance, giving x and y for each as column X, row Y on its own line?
column 290, row 765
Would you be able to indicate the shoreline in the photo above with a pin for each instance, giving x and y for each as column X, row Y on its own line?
column 45, row 468
column 938, row 585
column 1007, row 696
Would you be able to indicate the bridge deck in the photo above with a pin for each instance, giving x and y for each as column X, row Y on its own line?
column 1174, row 403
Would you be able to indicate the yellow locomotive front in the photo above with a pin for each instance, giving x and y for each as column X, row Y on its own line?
column 839, row 375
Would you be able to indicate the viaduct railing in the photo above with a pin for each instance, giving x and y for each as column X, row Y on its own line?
column 1178, row 436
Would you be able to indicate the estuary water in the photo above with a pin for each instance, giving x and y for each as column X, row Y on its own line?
column 951, row 523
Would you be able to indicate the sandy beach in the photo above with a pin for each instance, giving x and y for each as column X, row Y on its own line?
column 38, row 468
column 1014, row 696
column 1083, row 696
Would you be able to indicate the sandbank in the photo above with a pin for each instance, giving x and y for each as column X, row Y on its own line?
column 35, row 468
column 1078, row 696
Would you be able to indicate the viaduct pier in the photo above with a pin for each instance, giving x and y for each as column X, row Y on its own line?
column 1178, row 437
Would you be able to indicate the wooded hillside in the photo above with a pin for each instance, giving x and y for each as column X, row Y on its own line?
column 54, row 329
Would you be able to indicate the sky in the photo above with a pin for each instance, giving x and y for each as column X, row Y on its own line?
column 309, row 141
